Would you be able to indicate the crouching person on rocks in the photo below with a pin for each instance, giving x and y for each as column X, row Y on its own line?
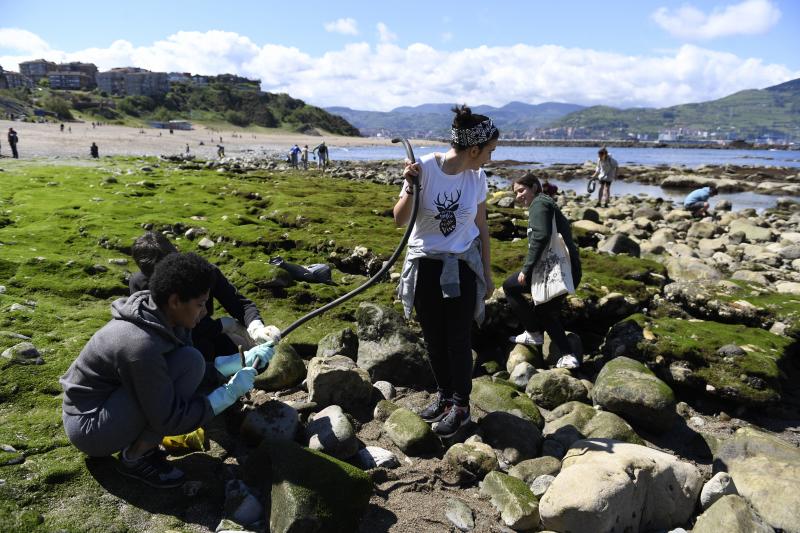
column 136, row 380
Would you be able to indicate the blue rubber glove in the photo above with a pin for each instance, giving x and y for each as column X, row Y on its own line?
column 260, row 356
column 240, row 384
column 257, row 357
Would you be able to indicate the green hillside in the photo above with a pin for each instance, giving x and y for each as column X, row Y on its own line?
column 753, row 114
column 218, row 102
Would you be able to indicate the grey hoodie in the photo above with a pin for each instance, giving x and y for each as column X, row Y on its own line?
column 129, row 352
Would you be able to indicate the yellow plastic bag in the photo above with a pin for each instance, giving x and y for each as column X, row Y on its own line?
column 185, row 443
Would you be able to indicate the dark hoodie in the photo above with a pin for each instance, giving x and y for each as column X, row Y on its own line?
column 540, row 229
column 129, row 352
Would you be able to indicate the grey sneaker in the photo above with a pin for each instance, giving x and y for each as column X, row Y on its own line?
column 529, row 339
column 436, row 410
column 456, row 417
column 153, row 469
column 568, row 361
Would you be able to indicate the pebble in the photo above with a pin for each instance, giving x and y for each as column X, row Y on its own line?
column 460, row 514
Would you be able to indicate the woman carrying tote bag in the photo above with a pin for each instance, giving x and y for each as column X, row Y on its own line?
column 552, row 269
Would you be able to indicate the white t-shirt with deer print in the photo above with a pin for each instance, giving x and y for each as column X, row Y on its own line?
column 448, row 205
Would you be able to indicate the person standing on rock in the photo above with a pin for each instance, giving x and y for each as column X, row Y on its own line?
column 304, row 157
column 136, row 380
column 446, row 275
column 541, row 212
column 606, row 172
column 294, row 154
column 210, row 336
column 696, row 201
column 13, row 139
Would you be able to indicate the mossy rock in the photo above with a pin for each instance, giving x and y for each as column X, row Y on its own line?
column 573, row 421
column 285, row 370
column 343, row 342
column 551, row 388
column 518, row 507
column 632, row 276
column 730, row 513
column 530, row 469
column 310, row 491
column 753, row 378
column 488, row 396
column 628, row 388
column 410, row 433
column 471, row 460
column 524, row 354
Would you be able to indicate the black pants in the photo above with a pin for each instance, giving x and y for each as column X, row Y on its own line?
column 14, row 152
column 537, row 317
column 447, row 327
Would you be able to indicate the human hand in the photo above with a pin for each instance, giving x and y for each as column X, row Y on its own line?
column 259, row 356
column 410, row 171
column 242, row 382
column 261, row 333
column 521, row 278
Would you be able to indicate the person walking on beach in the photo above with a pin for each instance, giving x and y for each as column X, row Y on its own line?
column 136, row 380
column 294, row 154
column 696, row 201
column 94, row 151
column 304, row 157
column 541, row 213
column 220, row 151
column 446, row 274
column 606, row 172
column 13, row 139
column 322, row 155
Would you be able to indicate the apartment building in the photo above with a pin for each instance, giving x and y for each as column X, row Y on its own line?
column 37, row 69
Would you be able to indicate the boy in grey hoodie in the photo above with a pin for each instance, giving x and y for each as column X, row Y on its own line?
column 136, row 380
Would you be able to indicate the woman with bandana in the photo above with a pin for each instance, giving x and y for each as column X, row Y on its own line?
column 447, row 275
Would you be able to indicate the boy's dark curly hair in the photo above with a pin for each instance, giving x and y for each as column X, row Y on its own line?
column 188, row 275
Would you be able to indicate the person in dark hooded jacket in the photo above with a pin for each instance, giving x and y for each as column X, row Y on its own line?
column 136, row 380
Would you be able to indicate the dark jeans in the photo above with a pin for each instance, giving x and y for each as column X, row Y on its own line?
column 537, row 317
column 447, row 327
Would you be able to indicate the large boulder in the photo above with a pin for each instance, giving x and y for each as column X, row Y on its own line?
column 574, row 421
column 515, row 438
column 551, row 388
column 273, row 421
column 410, row 433
column 766, row 471
column 731, row 514
column 711, row 301
column 628, row 388
column 337, row 381
column 607, row 485
column 752, row 232
column 522, row 353
column 388, row 350
column 488, row 396
column 285, row 370
column 309, row 490
column 515, row 502
column 691, row 269
column 342, row 342
column 530, row 469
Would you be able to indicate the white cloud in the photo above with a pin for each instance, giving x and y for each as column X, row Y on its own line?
column 749, row 17
column 385, row 35
column 345, row 26
column 22, row 41
column 385, row 76
column 447, row 37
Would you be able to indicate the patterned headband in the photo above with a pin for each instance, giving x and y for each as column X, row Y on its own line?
column 477, row 134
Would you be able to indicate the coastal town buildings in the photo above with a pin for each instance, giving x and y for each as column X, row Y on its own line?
column 37, row 69
column 133, row 81
column 13, row 80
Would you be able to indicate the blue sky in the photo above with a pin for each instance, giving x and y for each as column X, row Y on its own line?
column 377, row 55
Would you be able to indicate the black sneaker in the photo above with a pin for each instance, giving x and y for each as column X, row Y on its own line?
column 456, row 417
column 153, row 469
column 436, row 410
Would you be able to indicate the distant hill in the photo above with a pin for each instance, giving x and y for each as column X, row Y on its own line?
column 753, row 114
column 217, row 102
column 515, row 120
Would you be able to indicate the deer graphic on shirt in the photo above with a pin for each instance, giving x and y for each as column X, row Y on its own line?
column 447, row 212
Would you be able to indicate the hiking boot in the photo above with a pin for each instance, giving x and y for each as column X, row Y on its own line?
column 568, row 361
column 528, row 339
column 436, row 410
column 153, row 469
column 456, row 417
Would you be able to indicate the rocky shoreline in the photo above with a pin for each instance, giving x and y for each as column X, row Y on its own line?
column 684, row 414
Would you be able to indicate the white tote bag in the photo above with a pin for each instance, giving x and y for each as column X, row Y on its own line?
column 552, row 274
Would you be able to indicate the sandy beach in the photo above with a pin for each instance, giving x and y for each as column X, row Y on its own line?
column 46, row 140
